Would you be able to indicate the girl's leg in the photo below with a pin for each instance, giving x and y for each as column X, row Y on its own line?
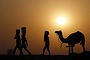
column 27, row 50
column 48, row 51
column 14, row 50
column 44, row 50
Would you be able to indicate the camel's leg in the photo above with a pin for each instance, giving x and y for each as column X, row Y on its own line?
column 69, row 49
column 83, row 45
column 72, row 49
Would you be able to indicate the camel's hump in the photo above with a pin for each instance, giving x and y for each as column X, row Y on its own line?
column 76, row 34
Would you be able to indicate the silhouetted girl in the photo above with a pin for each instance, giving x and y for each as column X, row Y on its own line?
column 24, row 40
column 18, row 42
column 46, row 40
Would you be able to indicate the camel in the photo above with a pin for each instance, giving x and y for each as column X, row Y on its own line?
column 72, row 39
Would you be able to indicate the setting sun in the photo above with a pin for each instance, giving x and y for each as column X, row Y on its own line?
column 61, row 20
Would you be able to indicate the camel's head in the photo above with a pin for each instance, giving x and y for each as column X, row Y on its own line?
column 58, row 32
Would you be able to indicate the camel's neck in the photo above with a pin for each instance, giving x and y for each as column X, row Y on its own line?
column 62, row 38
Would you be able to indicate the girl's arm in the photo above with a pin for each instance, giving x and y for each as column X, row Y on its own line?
column 26, row 43
column 15, row 37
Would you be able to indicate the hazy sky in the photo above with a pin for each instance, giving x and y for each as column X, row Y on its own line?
column 38, row 16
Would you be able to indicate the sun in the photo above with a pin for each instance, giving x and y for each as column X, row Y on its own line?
column 61, row 20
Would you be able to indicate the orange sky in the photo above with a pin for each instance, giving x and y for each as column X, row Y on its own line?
column 38, row 16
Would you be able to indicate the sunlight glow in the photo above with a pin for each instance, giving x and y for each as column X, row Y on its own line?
column 61, row 20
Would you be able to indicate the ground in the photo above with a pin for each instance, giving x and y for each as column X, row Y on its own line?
column 81, row 56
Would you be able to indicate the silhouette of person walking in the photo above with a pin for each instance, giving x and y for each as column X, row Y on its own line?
column 18, row 42
column 46, row 40
column 24, row 40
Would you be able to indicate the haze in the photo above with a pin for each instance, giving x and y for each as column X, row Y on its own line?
column 38, row 16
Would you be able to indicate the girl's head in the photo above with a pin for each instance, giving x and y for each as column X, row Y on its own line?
column 23, row 30
column 17, row 31
column 46, row 32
